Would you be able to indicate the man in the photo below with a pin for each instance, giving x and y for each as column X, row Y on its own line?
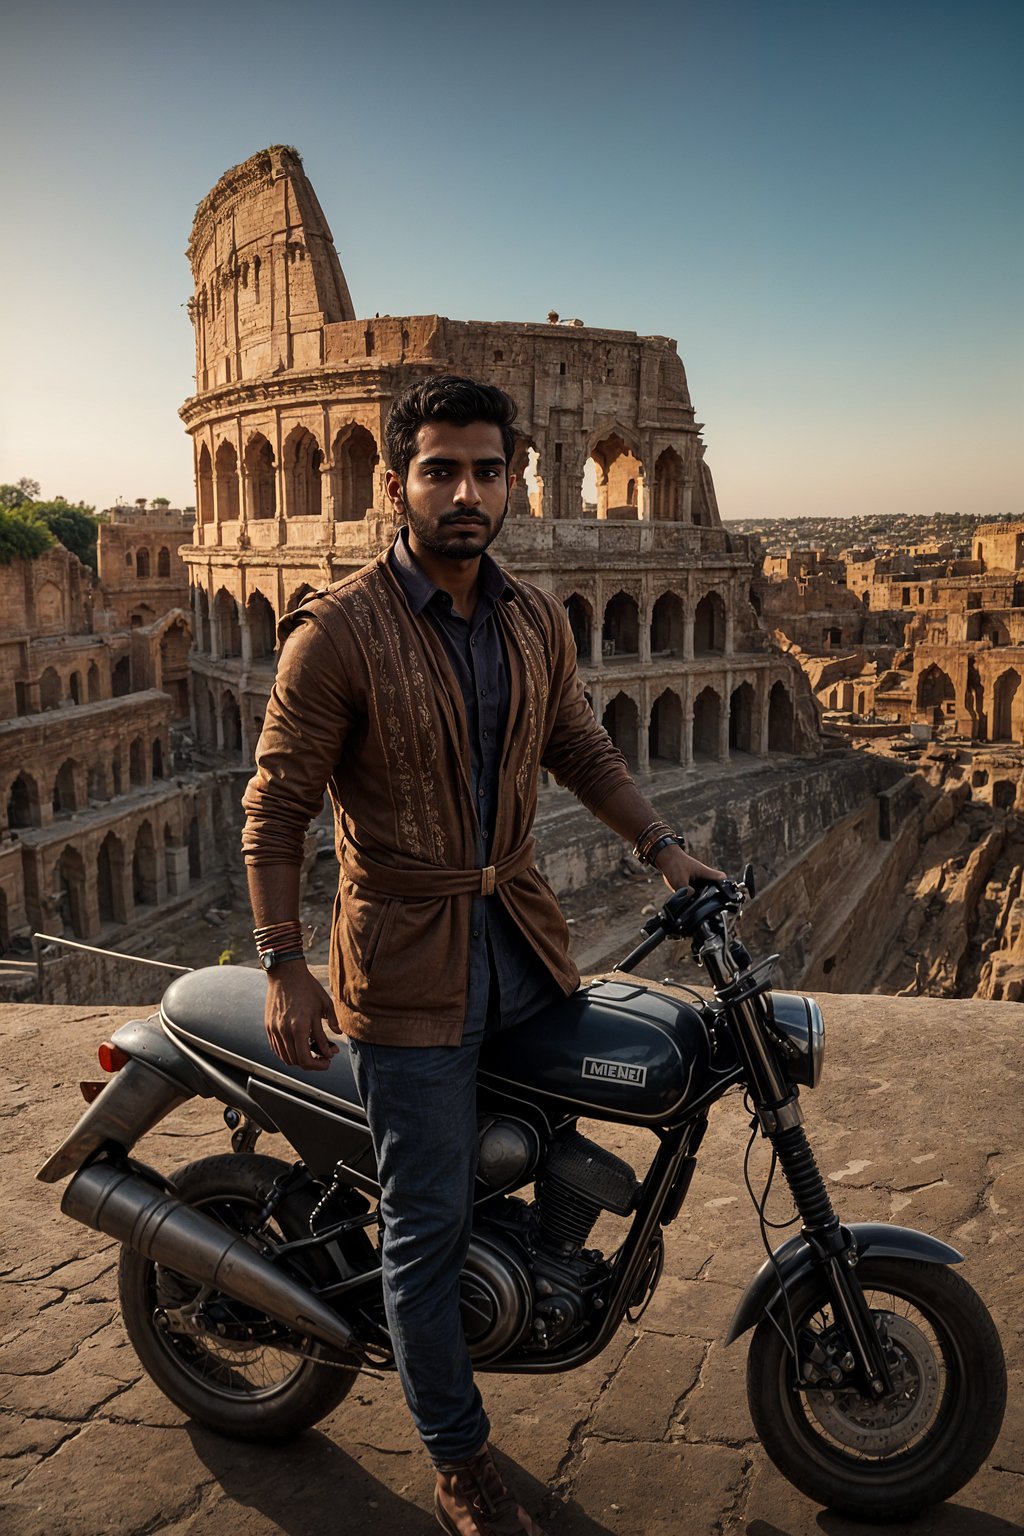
column 426, row 692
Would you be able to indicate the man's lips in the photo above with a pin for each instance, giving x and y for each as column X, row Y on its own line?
column 463, row 522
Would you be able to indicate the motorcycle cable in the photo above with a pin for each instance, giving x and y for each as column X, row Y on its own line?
column 789, row 1339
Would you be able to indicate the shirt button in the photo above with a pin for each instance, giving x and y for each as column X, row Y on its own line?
column 476, row 933
column 481, row 793
column 485, row 734
column 483, row 693
column 473, row 641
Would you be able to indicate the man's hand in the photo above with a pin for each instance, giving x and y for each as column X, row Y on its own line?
column 678, row 868
column 296, row 1008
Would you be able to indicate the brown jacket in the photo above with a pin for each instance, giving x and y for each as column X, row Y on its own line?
column 366, row 705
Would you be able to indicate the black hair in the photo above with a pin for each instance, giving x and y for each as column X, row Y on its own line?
column 445, row 398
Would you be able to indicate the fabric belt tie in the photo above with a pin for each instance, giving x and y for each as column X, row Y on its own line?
column 418, row 882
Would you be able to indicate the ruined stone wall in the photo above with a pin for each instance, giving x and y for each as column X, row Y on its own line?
column 140, row 566
column 999, row 546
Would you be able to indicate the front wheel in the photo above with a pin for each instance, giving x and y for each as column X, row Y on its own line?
column 881, row 1460
column 226, row 1365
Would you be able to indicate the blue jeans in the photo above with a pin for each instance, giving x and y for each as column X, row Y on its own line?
column 420, row 1102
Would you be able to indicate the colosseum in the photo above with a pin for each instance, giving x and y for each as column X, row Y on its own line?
column 615, row 508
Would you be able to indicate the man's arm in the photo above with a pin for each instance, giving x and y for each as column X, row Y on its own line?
column 303, row 735
column 628, row 813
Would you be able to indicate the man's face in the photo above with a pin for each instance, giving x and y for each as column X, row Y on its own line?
column 456, row 492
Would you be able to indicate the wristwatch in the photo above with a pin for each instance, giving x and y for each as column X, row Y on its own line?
column 271, row 957
column 664, row 842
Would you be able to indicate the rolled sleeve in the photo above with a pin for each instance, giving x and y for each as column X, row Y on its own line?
column 300, row 746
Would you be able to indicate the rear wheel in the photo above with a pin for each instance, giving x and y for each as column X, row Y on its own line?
column 882, row 1460
column 225, row 1364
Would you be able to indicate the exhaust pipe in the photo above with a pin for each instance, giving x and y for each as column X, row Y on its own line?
column 167, row 1231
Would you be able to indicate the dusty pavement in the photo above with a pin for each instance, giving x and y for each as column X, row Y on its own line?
column 919, row 1120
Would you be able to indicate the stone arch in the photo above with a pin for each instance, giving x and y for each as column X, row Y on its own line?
column 225, row 618
column 668, row 626
column 262, row 626
column 75, row 687
column 668, row 486
column 142, row 616
column 581, row 622
column 527, row 495
column 204, row 487
column 620, row 631
column 303, row 457
column 93, row 683
column 96, row 782
column 49, row 606
column 665, row 736
column 709, row 625
column 174, row 648
column 1007, row 707
column 110, row 880
column 741, row 719
column 137, row 761
column 157, row 758
column 65, row 788
column 145, row 872
column 618, row 472
column 261, row 477
column 707, row 719
column 51, row 689
column 231, row 722
column 354, row 457
column 121, row 678
column 142, row 563
column 934, row 687
column 163, row 561
column 622, row 722
column 226, row 465
column 1004, row 794
column 780, row 719
column 23, row 806
column 71, row 892
column 201, row 609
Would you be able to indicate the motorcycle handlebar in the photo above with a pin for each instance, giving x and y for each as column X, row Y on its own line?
column 687, row 908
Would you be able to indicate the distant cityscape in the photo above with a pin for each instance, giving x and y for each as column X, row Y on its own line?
column 882, row 531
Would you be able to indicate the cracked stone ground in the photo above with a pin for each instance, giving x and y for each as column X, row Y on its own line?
column 918, row 1121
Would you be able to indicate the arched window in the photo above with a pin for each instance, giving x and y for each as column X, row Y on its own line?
column 225, row 617
column 934, row 687
column 668, row 486
column 71, row 892
column 261, row 472
column 616, row 471
column 621, row 721
column 65, row 788
column 262, row 626
column 142, row 564
column 145, row 878
column 75, row 686
column 355, row 458
column 163, row 562
column 741, row 719
column 204, row 487
column 110, row 880
column 51, row 689
column 227, row 483
column 666, row 729
column 780, row 719
column 620, row 633
column 137, row 761
column 1007, row 709
column 93, row 683
column 121, row 678
column 23, row 802
column 707, row 715
column 581, row 618
column 302, row 460
column 709, row 625
column 668, row 626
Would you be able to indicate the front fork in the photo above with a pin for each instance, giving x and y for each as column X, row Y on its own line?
column 778, row 1111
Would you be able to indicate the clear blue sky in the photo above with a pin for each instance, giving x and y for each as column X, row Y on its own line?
column 822, row 202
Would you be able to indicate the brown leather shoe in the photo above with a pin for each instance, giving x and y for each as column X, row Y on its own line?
column 471, row 1499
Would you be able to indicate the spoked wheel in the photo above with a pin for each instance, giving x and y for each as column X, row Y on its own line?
column 224, row 1363
column 882, row 1460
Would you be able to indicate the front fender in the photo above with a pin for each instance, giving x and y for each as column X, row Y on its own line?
column 795, row 1259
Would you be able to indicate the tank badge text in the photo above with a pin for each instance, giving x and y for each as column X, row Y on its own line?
column 614, row 1071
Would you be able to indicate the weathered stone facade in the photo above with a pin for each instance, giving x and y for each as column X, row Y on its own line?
column 103, row 827
column 287, row 427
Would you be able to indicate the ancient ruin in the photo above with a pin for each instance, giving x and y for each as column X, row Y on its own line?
column 287, row 426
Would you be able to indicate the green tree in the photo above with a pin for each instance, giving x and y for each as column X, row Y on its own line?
column 22, row 537
column 74, row 526
column 159, row 501
column 12, row 496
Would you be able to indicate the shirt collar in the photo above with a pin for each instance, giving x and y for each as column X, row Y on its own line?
column 418, row 587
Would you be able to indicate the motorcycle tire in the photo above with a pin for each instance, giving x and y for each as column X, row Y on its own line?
column 249, row 1393
column 883, row 1461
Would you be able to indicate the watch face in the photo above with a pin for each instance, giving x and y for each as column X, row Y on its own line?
column 267, row 959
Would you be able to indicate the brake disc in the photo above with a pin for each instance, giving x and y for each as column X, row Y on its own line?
column 882, row 1427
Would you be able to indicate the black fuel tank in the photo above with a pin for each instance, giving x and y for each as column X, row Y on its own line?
column 613, row 1050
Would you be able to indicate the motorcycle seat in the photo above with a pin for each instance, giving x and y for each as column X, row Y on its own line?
column 218, row 1011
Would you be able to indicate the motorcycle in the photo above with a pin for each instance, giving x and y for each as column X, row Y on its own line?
column 250, row 1286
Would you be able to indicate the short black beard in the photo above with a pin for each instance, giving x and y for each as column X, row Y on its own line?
column 448, row 549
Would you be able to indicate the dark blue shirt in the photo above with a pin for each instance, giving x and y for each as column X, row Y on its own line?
column 507, row 980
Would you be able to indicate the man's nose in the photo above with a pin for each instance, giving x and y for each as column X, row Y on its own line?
column 466, row 492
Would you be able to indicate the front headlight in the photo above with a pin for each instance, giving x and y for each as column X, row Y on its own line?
column 799, row 1027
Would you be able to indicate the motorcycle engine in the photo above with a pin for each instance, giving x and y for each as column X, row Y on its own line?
column 527, row 1268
